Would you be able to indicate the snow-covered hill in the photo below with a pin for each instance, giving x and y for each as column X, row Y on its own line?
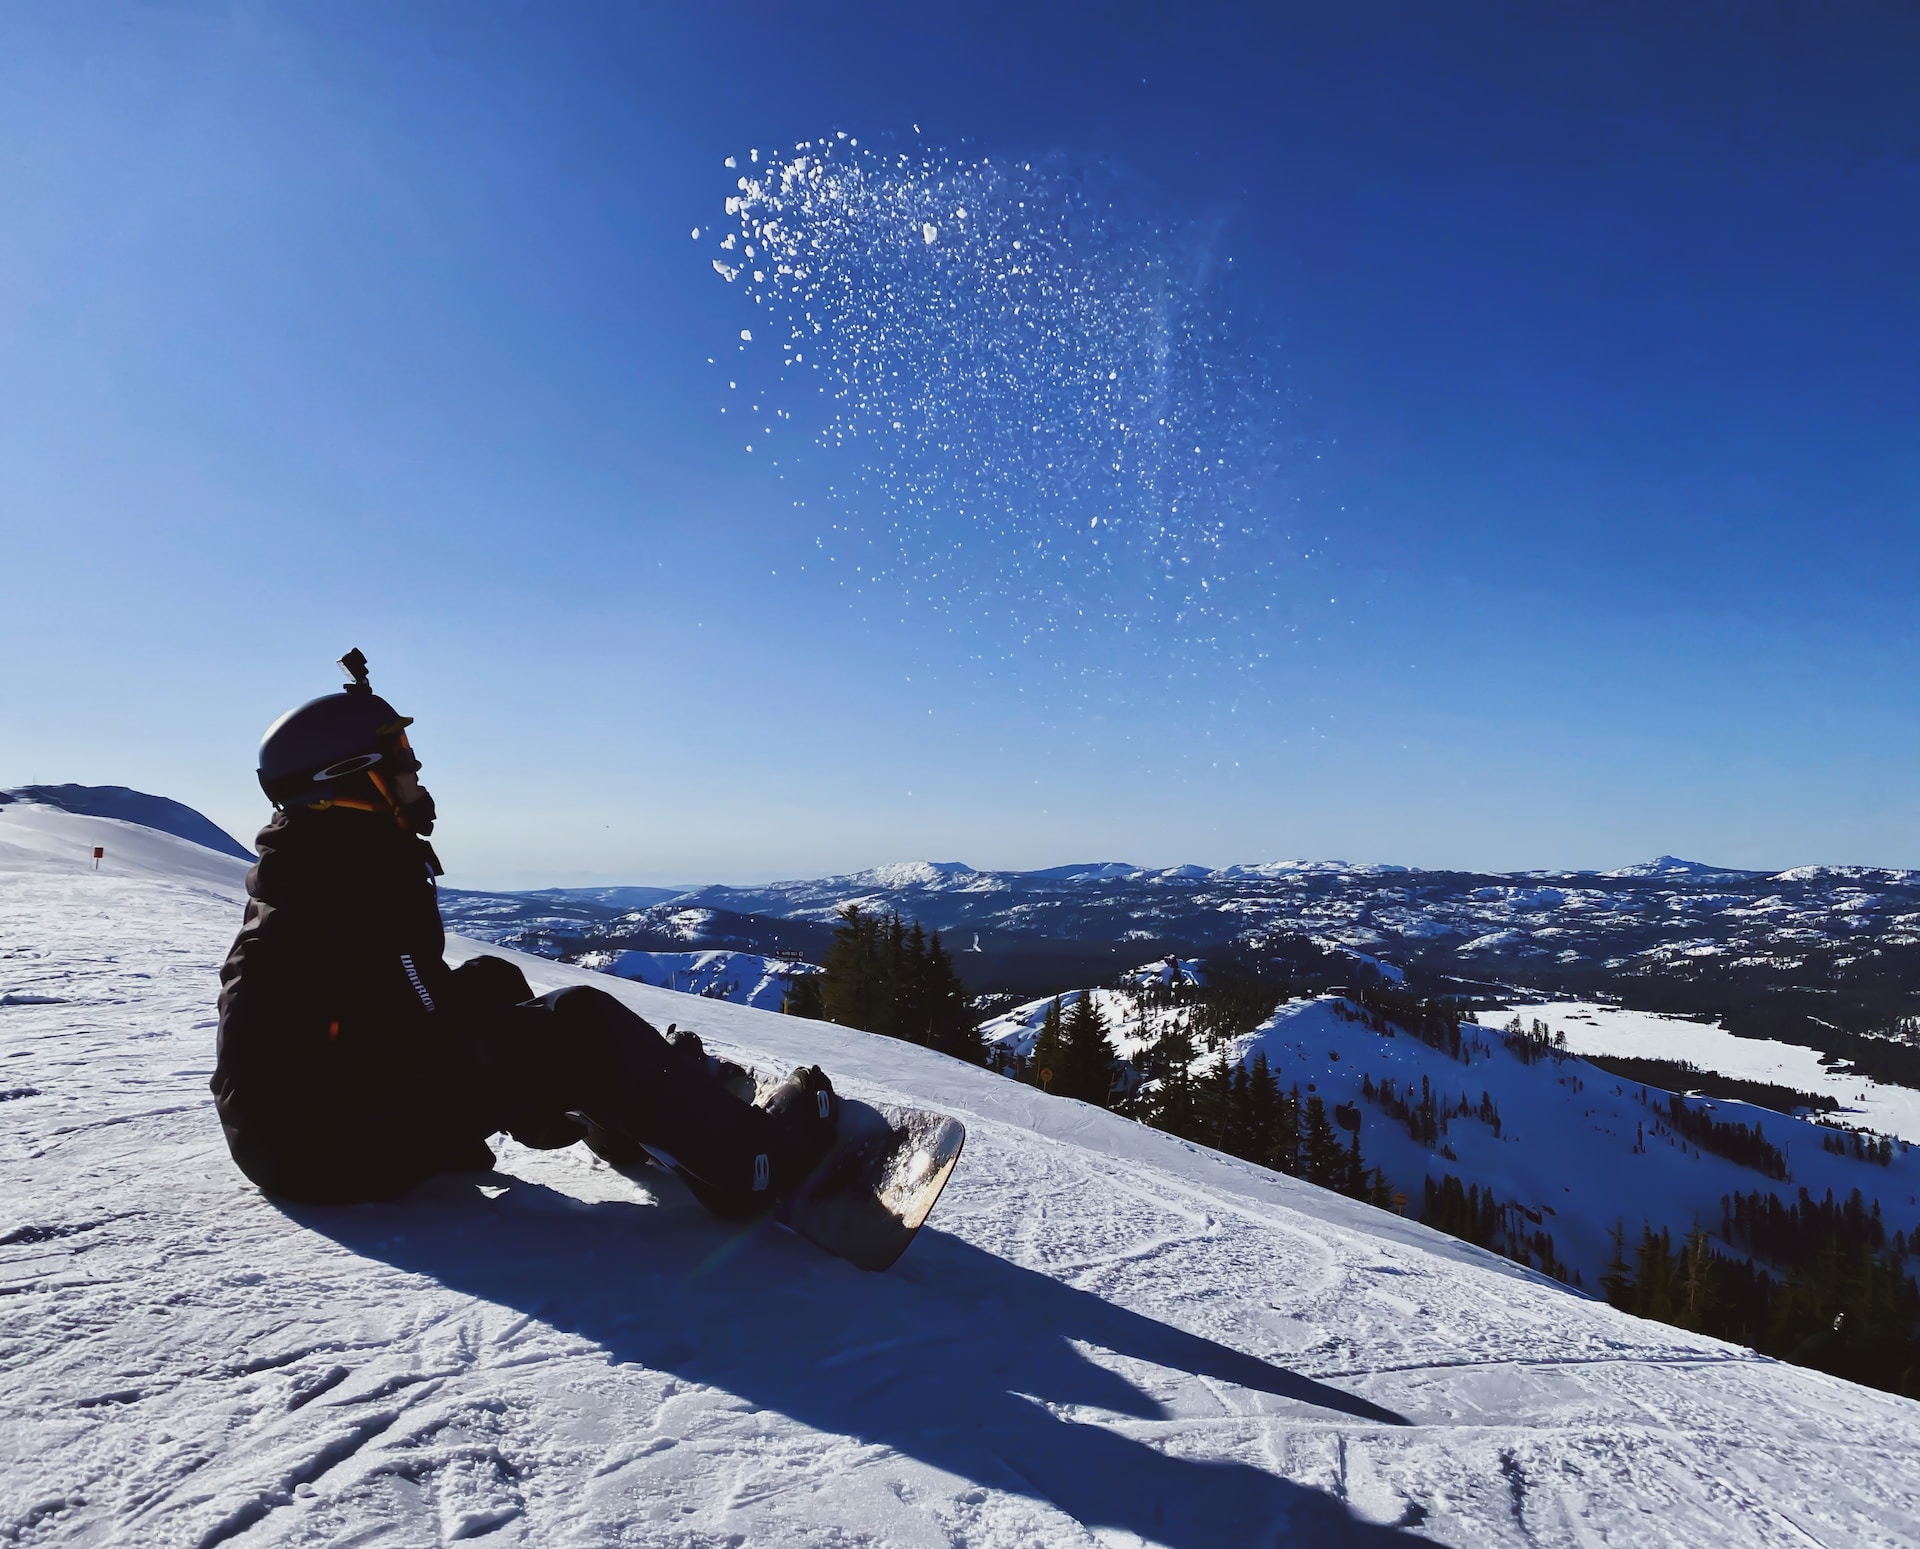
column 1572, row 1147
column 1569, row 1146
column 745, row 978
column 53, row 842
column 1106, row 1336
column 137, row 807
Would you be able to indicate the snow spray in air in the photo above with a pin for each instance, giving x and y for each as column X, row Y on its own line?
column 1046, row 416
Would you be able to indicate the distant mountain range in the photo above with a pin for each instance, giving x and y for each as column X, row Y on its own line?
column 1821, row 955
column 1807, row 954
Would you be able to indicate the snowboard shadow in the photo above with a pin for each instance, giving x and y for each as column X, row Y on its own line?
column 955, row 1357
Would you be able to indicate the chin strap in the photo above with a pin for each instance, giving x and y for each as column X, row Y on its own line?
column 386, row 795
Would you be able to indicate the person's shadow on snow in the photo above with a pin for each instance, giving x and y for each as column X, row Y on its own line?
column 954, row 1357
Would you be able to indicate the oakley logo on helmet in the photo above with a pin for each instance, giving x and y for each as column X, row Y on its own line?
column 347, row 766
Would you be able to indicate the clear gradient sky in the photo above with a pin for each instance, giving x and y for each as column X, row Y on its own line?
column 379, row 325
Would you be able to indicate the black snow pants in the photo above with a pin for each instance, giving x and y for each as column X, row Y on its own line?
column 522, row 1064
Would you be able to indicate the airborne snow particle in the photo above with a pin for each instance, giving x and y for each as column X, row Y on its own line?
column 1009, row 410
column 747, row 333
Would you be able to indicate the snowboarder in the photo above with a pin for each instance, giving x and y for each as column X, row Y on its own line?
column 354, row 1063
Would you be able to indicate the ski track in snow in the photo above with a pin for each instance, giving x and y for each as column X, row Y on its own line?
column 1107, row 1335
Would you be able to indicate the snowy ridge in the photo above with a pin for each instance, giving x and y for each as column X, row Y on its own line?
column 35, row 837
column 1659, row 916
column 117, row 801
column 1106, row 1335
column 744, row 978
column 1673, row 866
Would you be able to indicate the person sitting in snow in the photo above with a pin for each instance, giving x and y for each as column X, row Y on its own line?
column 354, row 1063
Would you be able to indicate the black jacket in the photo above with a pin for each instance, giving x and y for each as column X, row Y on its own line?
column 335, row 996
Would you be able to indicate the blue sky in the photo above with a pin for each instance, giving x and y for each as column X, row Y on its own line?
column 1591, row 331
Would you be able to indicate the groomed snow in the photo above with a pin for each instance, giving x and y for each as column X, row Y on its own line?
column 1106, row 1336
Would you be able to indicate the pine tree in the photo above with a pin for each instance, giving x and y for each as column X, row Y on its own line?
column 894, row 972
column 912, row 994
column 1212, row 1095
column 1263, row 1114
column 1617, row 1282
column 1379, row 1191
column 1286, row 1134
column 953, row 1028
column 1355, row 1182
column 854, row 990
column 1087, row 1054
column 1699, row 1306
column 1326, row 1160
column 1236, row 1133
column 1049, row 1050
column 1655, row 1275
column 1174, row 1101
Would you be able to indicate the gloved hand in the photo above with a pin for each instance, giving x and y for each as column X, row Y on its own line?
column 484, row 984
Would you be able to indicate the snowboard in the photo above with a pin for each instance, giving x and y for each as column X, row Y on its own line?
column 876, row 1187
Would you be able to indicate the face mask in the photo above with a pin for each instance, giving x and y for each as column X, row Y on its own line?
column 418, row 814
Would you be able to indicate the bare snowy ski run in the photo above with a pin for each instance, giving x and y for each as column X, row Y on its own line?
column 1107, row 1336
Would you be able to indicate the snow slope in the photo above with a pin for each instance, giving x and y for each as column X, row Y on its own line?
column 117, row 801
column 745, row 978
column 1106, row 1336
column 43, row 839
column 1576, row 1147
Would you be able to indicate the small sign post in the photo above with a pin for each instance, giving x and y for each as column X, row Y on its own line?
column 99, row 854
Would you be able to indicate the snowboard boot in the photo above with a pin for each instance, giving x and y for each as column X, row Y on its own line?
column 806, row 1112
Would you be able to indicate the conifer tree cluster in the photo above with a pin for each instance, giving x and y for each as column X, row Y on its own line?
column 1862, row 1148
column 885, row 976
column 1844, row 1305
column 1743, row 1143
column 1240, row 1109
column 1475, row 1215
column 1073, row 1056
